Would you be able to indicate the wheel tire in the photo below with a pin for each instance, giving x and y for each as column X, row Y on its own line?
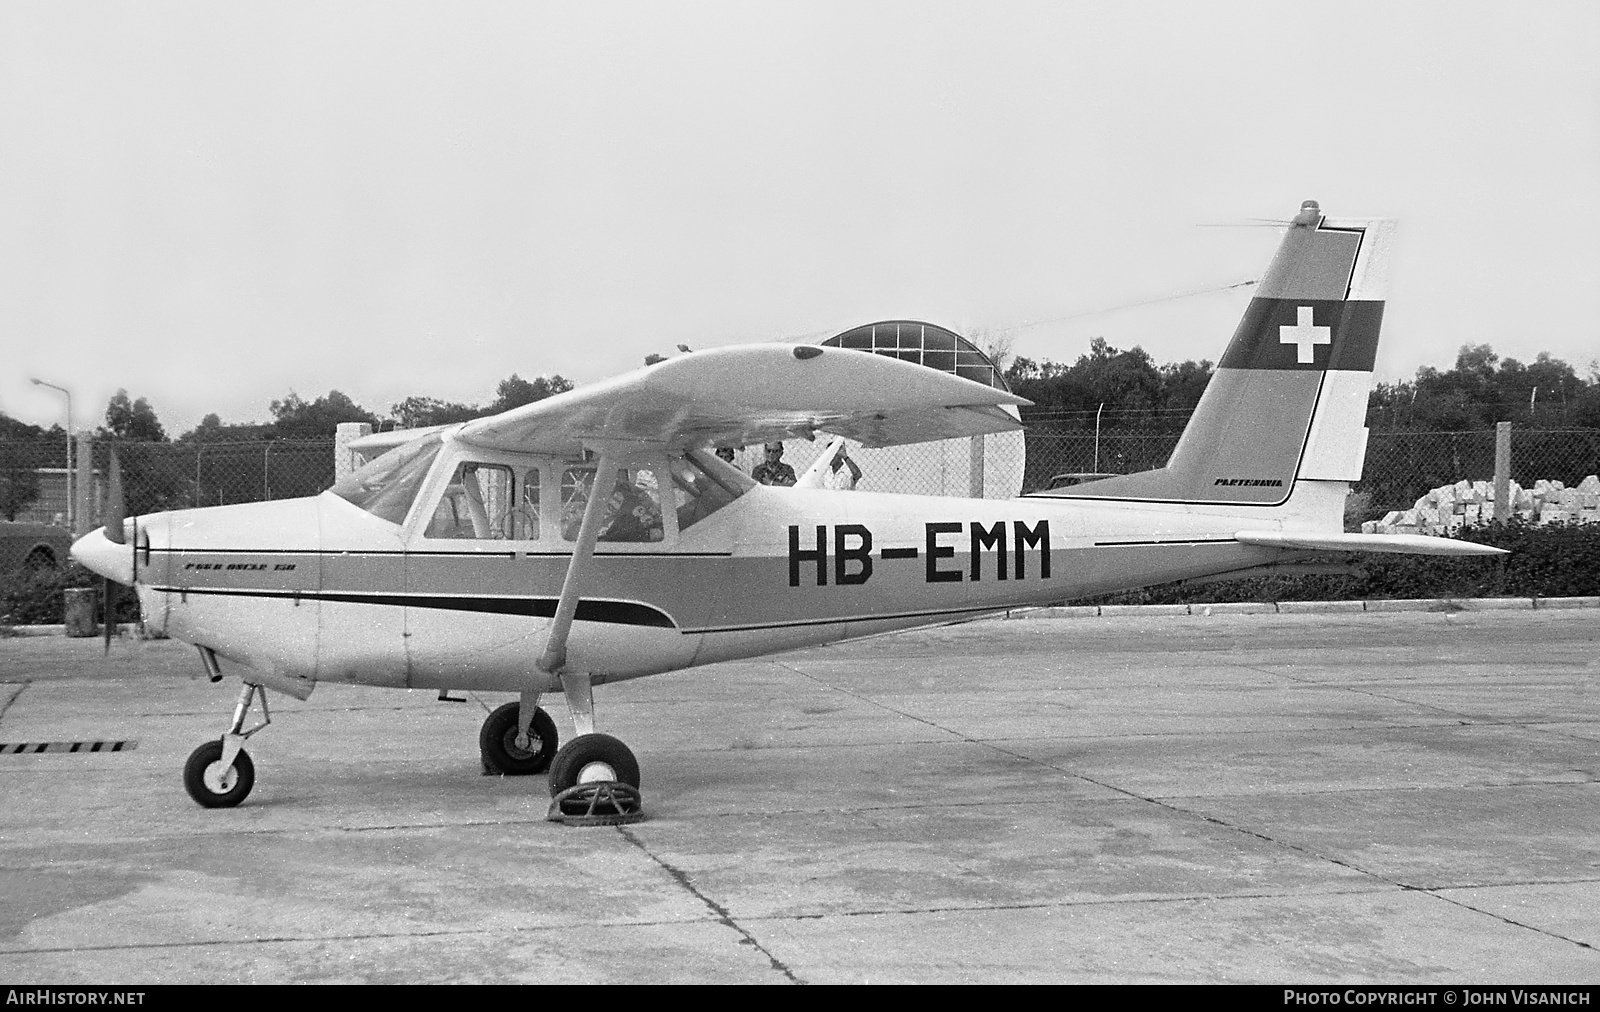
column 586, row 750
column 201, row 760
column 497, row 742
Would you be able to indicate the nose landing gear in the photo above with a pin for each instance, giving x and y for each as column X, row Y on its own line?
column 215, row 784
column 219, row 774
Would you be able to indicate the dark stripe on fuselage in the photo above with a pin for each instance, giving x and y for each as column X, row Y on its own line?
column 612, row 612
column 400, row 553
column 1259, row 342
column 1179, row 541
column 988, row 609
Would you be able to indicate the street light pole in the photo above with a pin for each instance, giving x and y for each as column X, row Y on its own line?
column 71, row 500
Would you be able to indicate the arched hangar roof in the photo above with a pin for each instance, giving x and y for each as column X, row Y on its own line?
column 925, row 344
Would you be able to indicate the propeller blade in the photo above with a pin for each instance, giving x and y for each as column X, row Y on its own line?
column 108, row 604
column 115, row 518
column 116, row 506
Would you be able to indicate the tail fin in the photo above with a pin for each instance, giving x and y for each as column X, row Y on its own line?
column 1288, row 400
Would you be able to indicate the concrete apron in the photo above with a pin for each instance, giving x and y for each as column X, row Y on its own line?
column 1401, row 796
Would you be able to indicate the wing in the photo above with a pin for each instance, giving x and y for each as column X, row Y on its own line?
column 746, row 394
column 384, row 441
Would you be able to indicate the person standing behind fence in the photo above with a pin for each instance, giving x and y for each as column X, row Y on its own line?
column 773, row 471
column 842, row 471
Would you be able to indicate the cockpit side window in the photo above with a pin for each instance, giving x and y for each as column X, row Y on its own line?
column 704, row 484
column 631, row 512
column 525, row 518
column 477, row 504
column 387, row 485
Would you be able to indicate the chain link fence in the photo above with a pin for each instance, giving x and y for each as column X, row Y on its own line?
column 1401, row 466
column 162, row 476
column 1056, row 449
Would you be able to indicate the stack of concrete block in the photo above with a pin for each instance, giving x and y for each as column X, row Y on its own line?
column 1449, row 508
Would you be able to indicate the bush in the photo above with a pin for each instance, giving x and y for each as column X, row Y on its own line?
column 34, row 597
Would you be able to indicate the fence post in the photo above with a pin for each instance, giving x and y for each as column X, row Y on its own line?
column 86, row 490
column 199, row 455
column 975, row 471
column 1097, row 411
column 1502, row 471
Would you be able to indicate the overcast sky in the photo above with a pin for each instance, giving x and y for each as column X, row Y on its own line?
column 212, row 204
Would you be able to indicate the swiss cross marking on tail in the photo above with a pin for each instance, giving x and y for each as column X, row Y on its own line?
column 1304, row 336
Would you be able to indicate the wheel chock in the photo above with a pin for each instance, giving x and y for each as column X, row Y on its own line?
column 597, row 803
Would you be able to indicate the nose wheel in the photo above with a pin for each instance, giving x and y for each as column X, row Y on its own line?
column 214, row 784
column 219, row 774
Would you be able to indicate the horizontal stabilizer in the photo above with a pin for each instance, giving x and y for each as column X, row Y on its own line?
column 1404, row 544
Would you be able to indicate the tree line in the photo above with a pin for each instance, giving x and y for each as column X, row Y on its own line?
column 1123, row 388
column 1127, row 385
column 25, row 448
column 293, row 417
column 1128, row 389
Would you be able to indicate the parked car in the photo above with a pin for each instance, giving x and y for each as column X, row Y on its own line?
column 32, row 546
column 1078, row 478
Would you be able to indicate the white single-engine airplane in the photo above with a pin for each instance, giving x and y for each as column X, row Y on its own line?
column 478, row 556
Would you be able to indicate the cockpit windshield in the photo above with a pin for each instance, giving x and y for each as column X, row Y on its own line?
column 387, row 485
column 704, row 485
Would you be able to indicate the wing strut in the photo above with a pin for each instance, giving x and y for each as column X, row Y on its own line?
column 554, row 657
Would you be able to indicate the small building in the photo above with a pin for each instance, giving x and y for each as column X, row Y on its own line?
column 51, row 505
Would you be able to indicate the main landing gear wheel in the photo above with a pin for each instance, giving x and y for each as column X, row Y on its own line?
column 497, row 742
column 214, row 786
column 594, row 781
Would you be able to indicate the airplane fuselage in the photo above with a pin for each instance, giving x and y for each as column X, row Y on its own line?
column 317, row 589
